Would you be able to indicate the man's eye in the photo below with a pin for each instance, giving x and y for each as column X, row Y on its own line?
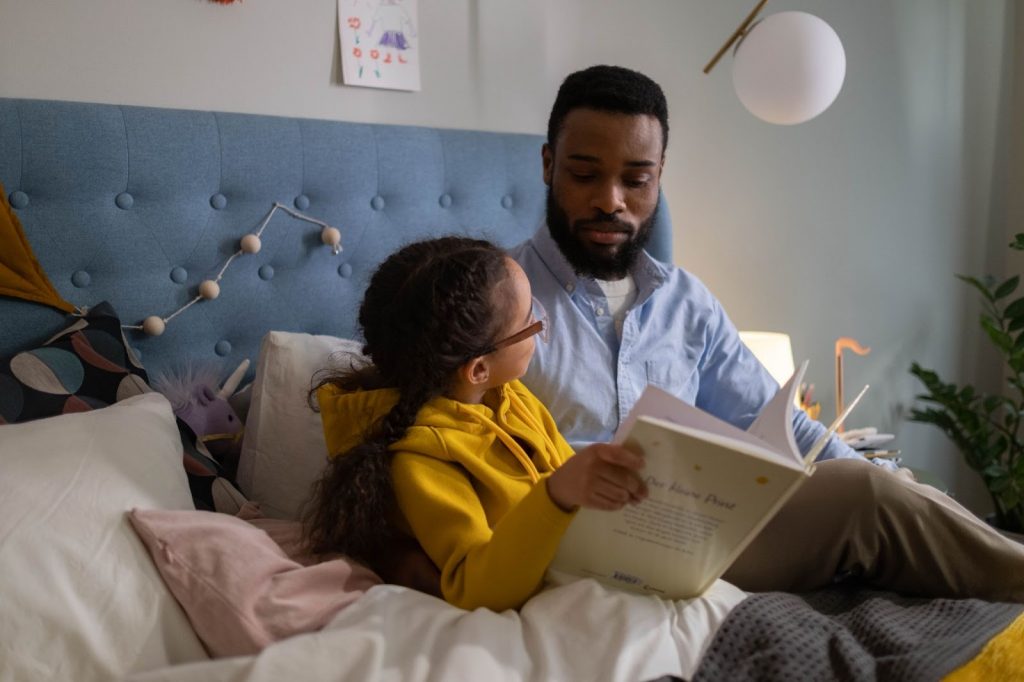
column 582, row 177
column 637, row 182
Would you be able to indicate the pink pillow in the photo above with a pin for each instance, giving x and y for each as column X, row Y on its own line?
column 240, row 590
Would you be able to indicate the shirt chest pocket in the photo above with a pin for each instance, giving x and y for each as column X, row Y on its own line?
column 678, row 378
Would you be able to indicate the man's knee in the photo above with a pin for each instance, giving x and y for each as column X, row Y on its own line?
column 873, row 499
column 855, row 481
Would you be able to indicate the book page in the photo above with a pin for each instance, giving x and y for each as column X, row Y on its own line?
column 707, row 501
column 775, row 423
column 654, row 402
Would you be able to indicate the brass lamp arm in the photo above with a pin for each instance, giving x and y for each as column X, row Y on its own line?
column 735, row 36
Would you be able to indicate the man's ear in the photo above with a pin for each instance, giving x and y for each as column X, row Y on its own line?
column 476, row 371
column 547, row 155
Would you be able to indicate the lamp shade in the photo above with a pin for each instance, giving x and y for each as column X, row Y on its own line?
column 775, row 352
column 788, row 68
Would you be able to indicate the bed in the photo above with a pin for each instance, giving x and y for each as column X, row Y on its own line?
column 124, row 213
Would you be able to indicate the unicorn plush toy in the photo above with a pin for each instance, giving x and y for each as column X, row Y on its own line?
column 203, row 408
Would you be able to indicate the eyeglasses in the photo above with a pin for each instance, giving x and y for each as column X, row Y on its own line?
column 539, row 327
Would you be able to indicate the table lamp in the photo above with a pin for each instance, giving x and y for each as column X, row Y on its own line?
column 774, row 351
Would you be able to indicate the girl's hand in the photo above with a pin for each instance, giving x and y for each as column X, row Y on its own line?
column 600, row 476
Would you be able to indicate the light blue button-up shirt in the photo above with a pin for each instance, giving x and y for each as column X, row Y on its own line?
column 675, row 335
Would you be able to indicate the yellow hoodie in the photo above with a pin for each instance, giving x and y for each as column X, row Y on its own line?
column 471, row 493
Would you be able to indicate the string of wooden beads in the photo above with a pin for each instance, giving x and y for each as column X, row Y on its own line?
column 250, row 244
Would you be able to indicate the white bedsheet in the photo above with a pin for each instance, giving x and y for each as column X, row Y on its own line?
column 577, row 631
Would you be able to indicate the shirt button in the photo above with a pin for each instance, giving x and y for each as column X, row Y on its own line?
column 569, row 288
column 600, row 311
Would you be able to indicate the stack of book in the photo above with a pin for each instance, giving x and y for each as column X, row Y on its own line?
column 872, row 444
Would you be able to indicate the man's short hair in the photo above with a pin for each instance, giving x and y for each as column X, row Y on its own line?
column 609, row 88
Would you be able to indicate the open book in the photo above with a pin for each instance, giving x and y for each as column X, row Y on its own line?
column 712, row 488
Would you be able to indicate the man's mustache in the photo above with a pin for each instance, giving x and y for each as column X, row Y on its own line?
column 609, row 224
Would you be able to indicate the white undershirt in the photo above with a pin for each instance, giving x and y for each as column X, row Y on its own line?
column 621, row 293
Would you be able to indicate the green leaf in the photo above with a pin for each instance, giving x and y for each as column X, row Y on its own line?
column 1016, row 323
column 994, row 470
column 1018, row 242
column 1015, row 309
column 979, row 285
column 1001, row 339
column 991, row 402
column 1008, row 419
column 1007, row 287
column 1010, row 498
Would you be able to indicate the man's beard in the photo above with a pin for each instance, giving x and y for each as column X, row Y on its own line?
column 586, row 263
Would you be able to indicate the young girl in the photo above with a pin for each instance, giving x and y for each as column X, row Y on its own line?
column 438, row 443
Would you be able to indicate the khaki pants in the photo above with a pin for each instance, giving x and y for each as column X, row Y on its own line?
column 897, row 534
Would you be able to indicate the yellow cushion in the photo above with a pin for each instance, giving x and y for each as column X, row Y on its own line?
column 1001, row 659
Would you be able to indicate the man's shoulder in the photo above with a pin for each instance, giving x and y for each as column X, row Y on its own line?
column 541, row 261
column 678, row 281
column 525, row 252
column 516, row 252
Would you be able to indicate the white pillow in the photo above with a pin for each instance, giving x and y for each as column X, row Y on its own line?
column 81, row 599
column 283, row 450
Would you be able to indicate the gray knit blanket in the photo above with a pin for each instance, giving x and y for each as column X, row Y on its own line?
column 850, row 634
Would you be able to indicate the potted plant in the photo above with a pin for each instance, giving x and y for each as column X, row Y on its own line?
column 987, row 428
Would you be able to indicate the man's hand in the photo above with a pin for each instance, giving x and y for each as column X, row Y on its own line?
column 906, row 473
column 600, row 476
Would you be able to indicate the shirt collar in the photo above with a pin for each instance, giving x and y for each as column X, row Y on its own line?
column 648, row 273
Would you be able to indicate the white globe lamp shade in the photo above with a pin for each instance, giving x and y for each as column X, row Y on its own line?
column 789, row 68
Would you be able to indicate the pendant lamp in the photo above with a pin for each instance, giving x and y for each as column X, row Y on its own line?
column 787, row 68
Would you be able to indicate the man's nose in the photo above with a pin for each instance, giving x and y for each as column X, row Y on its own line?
column 608, row 198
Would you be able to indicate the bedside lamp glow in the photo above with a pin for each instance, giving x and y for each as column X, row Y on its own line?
column 775, row 352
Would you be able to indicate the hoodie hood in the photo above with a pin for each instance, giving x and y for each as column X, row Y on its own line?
column 471, row 435
column 348, row 415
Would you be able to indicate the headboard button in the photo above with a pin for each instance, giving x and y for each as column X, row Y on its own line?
column 222, row 348
column 179, row 275
column 377, row 203
column 124, row 200
column 445, row 200
column 266, row 272
column 81, row 279
column 219, row 201
column 506, row 201
column 345, row 270
column 302, row 202
column 18, row 199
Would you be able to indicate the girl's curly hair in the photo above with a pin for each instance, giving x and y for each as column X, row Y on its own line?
column 429, row 308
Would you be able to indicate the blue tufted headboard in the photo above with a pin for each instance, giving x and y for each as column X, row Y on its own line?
column 138, row 205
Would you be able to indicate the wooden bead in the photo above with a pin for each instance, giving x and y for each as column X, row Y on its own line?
column 251, row 244
column 330, row 236
column 209, row 289
column 153, row 325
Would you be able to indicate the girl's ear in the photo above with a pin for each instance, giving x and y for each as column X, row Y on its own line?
column 475, row 372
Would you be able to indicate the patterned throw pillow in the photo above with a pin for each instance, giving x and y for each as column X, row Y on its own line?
column 85, row 366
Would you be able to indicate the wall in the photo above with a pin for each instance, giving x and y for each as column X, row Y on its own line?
column 851, row 224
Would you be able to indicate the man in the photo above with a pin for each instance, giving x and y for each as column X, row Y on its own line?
column 621, row 320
